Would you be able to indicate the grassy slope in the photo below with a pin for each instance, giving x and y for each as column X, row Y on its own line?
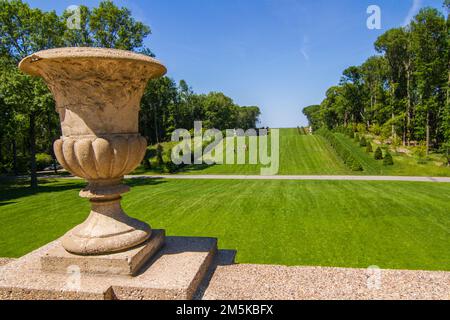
column 307, row 155
column 311, row 155
column 403, row 165
column 299, row 154
column 329, row 223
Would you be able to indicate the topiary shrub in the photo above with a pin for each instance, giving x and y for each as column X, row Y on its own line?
column 388, row 161
column 369, row 148
column 363, row 142
column 378, row 154
column 355, row 166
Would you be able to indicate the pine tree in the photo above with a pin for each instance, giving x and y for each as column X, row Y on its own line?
column 388, row 161
column 378, row 154
column 363, row 142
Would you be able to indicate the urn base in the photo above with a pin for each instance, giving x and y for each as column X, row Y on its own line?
column 107, row 230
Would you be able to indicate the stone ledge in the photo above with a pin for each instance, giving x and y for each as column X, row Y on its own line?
column 123, row 263
column 175, row 272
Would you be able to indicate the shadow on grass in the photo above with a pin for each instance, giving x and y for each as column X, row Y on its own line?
column 11, row 189
column 196, row 167
column 161, row 170
column 144, row 181
column 18, row 188
column 6, row 203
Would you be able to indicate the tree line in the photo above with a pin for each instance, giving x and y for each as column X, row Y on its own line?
column 28, row 121
column 400, row 94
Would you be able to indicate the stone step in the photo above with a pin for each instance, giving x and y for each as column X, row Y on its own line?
column 175, row 272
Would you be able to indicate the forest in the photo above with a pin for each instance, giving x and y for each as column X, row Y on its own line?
column 28, row 121
column 402, row 93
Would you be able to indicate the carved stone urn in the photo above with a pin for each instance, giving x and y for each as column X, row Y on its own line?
column 97, row 94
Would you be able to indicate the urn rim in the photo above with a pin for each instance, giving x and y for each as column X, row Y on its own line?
column 32, row 64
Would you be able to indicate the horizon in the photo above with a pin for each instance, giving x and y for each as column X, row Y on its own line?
column 279, row 55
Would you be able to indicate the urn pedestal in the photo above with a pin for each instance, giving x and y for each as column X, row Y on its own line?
column 110, row 255
column 97, row 94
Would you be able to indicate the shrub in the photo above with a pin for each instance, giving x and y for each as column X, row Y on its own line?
column 346, row 155
column 388, row 161
column 350, row 133
column 378, row 154
column 354, row 165
column 149, row 154
column 356, row 138
column 361, row 128
column 159, row 155
column 363, row 142
column 369, row 148
column 171, row 167
column 422, row 161
column 43, row 160
column 375, row 129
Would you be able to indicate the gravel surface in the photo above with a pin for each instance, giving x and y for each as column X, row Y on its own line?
column 4, row 261
column 229, row 281
column 265, row 282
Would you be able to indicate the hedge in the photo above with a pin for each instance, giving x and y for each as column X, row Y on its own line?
column 346, row 155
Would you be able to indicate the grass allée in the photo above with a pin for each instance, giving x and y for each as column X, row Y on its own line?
column 328, row 223
column 313, row 155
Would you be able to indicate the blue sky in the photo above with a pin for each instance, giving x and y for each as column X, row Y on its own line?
column 280, row 55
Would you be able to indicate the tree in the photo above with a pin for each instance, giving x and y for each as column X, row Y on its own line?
column 378, row 154
column 107, row 26
column 23, row 31
column 248, row 117
column 375, row 78
column 313, row 115
column 363, row 142
column 395, row 45
column 388, row 161
column 404, row 92
column 219, row 110
column 160, row 96
column 430, row 44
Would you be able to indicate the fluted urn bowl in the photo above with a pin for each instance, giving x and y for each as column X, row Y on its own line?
column 97, row 93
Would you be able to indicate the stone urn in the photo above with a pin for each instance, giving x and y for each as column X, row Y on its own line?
column 97, row 94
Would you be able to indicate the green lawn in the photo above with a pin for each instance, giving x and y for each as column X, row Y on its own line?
column 328, row 223
column 299, row 154
column 308, row 155
column 312, row 155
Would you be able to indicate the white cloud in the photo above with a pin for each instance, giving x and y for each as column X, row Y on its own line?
column 304, row 50
column 305, row 54
column 415, row 7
